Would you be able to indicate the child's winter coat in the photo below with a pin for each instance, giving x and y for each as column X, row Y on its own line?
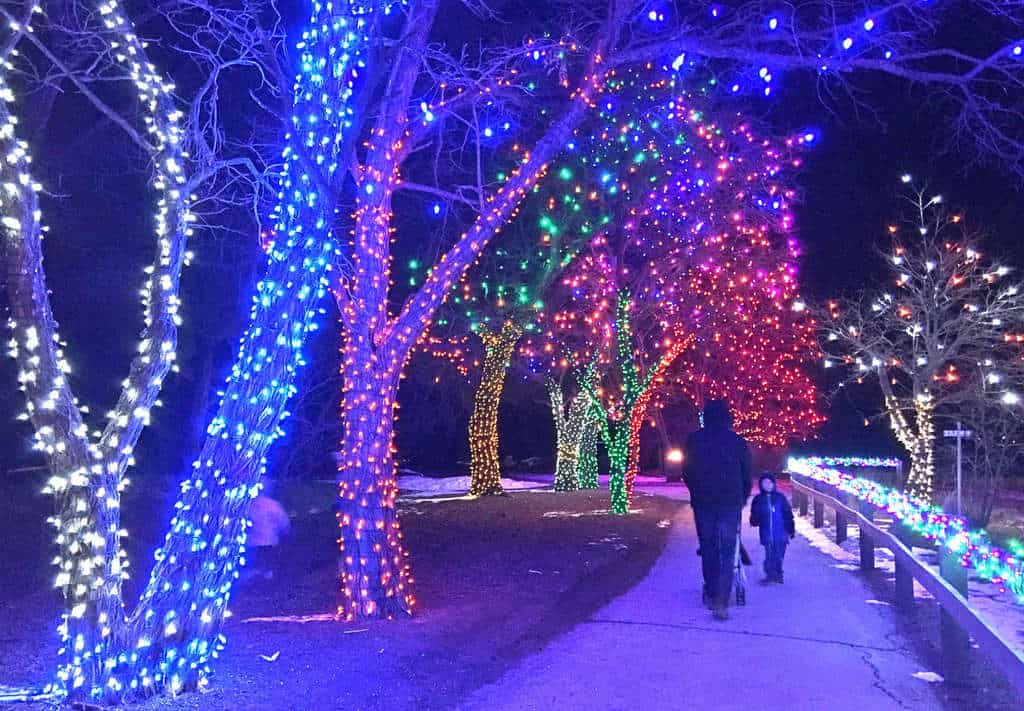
column 772, row 514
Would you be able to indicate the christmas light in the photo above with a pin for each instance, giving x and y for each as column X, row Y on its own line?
column 939, row 340
column 851, row 462
column 701, row 241
column 974, row 548
column 169, row 639
column 374, row 571
column 485, row 466
column 88, row 469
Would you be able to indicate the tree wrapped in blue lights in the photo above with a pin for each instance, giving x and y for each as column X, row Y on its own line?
column 167, row 641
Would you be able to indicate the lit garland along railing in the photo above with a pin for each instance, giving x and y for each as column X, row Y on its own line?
column 88, row 469
column 976, row 551
column 879, row 462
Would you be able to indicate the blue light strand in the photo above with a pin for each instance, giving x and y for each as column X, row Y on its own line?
column 174, row 632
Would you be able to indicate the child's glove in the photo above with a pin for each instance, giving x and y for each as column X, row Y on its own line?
column 792, row 536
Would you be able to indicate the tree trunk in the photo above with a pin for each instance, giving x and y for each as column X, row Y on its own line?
column 569, row 433
column 617, row 443
column 636, row 424
column 566, row 451
column 919, row 442
column 587, row 463
column 375, row 574
column 484, row 463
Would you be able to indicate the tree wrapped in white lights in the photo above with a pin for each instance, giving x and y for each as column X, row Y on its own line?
column 165, row 643
column 940, row 340
column 88, row 469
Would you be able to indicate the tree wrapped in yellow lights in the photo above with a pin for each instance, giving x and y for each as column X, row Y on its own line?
column 484, row 463
column 939, row 340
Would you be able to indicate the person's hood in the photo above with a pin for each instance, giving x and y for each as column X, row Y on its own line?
column 767, row 475
column 717, row 415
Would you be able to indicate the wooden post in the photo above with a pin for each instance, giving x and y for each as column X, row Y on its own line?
column 867, row 548
column 819, row 513
column 840, row 527
column 841, row 519
column 904, row 576
column 803, row 503
column 955, row 642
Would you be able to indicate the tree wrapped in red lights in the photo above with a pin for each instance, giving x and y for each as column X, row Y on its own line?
column 943, row 343
column 691, row 279
column 753, row 339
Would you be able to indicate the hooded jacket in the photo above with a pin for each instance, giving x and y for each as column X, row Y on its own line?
column 771, row 513
column 716, row 466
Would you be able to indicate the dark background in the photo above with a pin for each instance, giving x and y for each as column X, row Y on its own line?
column 100, row 212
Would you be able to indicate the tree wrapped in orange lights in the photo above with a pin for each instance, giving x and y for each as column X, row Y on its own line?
column 428, row 102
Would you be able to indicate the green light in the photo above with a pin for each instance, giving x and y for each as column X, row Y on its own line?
column 414, row 264
column 565, row 174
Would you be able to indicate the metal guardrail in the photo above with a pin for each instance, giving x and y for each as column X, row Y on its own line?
column 949, row 588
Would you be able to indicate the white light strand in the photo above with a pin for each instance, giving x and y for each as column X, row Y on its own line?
column 88, row 469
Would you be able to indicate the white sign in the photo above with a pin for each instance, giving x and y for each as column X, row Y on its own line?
column 957, row 433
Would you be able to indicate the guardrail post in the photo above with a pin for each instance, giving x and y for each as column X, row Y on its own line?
column 955, row 642
column 819, row 513
column 867, row 548
column 904, row 576
column 803, row 503
column 840, row 518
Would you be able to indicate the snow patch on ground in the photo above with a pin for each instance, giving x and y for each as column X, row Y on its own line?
column 580, row 514
column 419, row 485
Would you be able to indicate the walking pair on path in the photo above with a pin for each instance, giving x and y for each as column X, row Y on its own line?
column 717, row 471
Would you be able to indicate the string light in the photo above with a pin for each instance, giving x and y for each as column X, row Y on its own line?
column 699, row 235
column 571, row 472
column 974, row 548
column 588, row 457
column 88, row 469
column 485, row 466
column 375, row 573
column 930, row 357
column 853, row 462
column 172, row 635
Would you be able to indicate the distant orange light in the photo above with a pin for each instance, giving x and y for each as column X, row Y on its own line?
column 675, row 456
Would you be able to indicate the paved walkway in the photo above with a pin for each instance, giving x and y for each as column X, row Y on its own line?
column 814, row 643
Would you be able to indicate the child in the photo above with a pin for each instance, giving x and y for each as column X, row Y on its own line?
column 770, row 511
column 269, row 523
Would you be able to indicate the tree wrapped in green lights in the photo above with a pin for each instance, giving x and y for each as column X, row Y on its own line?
column 622, row 421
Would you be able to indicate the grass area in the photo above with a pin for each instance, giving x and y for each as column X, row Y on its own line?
column 496, row 579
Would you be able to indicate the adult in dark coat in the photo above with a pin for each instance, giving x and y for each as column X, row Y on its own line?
column 716, row 470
